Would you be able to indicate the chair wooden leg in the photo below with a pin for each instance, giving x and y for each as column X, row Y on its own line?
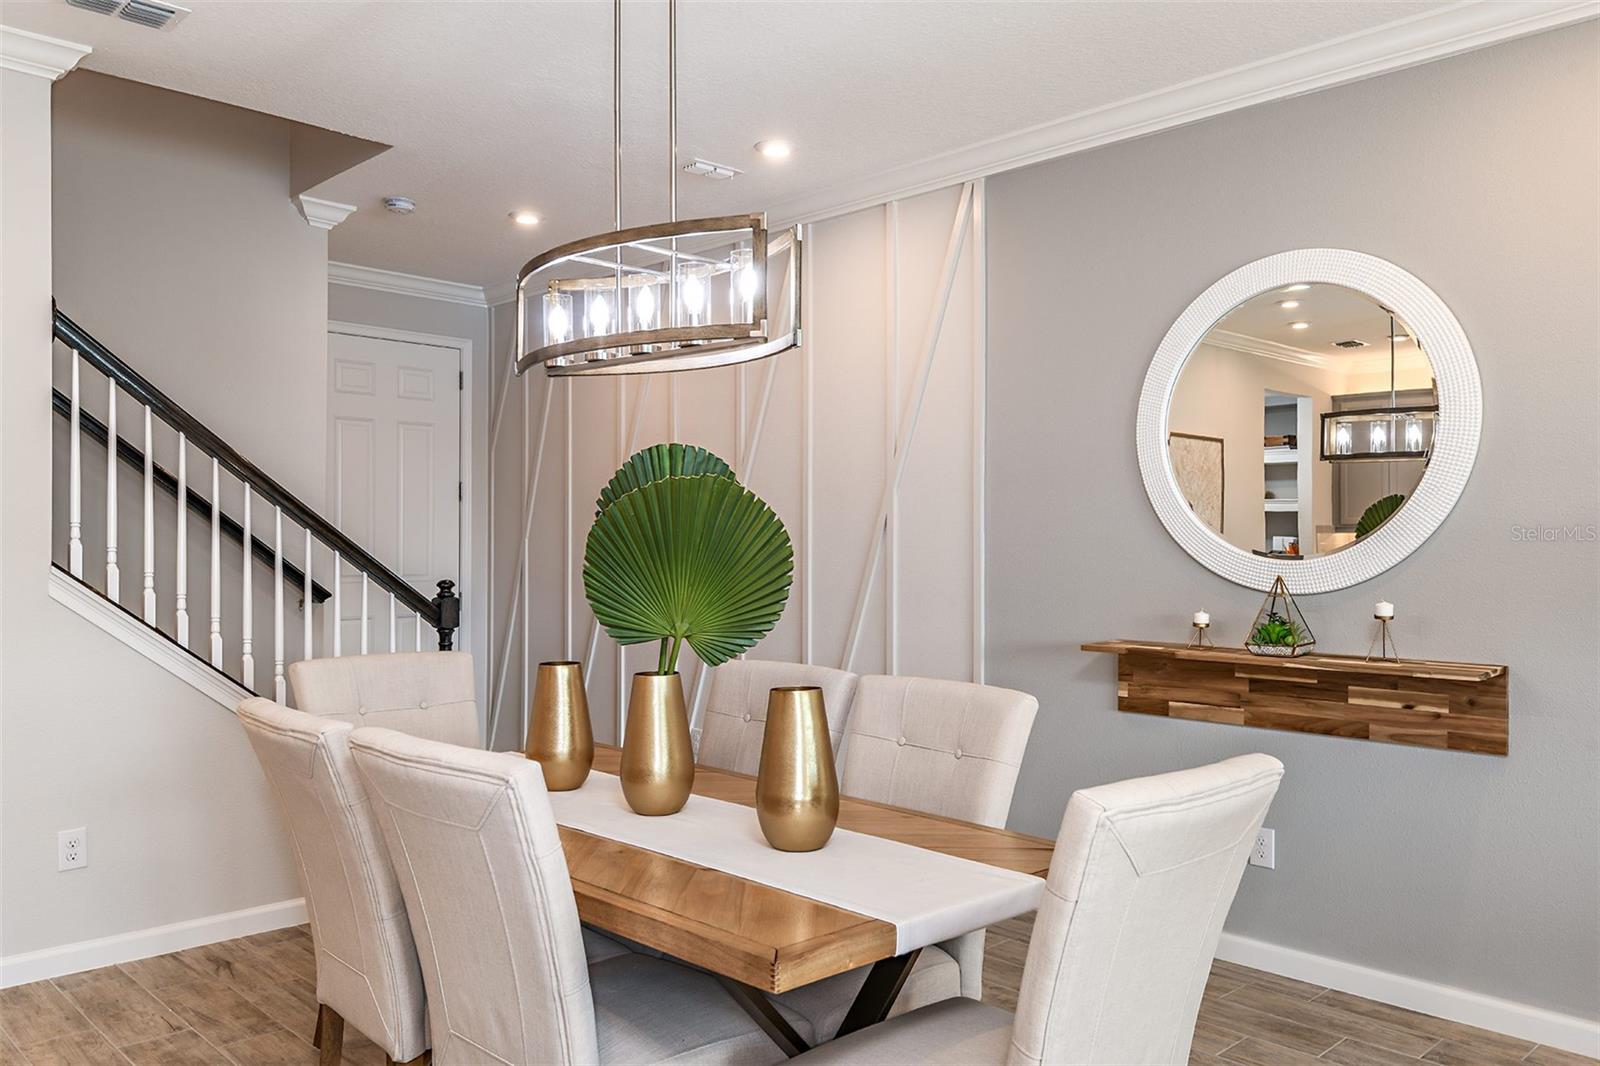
column 329, row 1039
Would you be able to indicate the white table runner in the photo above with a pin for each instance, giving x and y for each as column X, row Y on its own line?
column 926, row 895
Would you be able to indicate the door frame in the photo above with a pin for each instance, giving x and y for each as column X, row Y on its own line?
column 463, row 346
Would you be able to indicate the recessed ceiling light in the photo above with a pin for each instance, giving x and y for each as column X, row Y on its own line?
column 774, row 149
column 1301, row 287
column 1299, row 325
column 1288, row 305
column 525, row 218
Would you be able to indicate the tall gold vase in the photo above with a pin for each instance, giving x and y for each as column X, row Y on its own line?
column 797, row 788
column 657, row 757
column 559, row 736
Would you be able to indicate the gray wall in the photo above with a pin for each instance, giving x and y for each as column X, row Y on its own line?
column 1477, row 174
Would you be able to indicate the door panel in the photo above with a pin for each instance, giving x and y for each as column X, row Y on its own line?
column 394, row 472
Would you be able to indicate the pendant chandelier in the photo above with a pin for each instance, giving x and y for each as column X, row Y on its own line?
column 676, row 295
column 1380, row 434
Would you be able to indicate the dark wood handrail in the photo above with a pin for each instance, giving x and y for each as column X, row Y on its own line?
column 227, row 525
column 440, row 613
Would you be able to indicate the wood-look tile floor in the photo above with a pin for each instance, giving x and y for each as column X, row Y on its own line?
column 1252, row 1018
column 252, row 1002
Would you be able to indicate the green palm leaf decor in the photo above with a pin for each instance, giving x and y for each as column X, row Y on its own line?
column 656, row 462
column 682, row 556
column 1377, row 513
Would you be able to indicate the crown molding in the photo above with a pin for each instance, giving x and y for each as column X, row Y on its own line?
column 503, row 293
column 1287, row 353
column 324, row 214
column 36, row 54
column 363, row 277
column 1394, row 46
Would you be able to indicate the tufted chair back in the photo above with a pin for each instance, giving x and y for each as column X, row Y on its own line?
column 485, row 882
column 427, row 694
column 1143, row 875
column 944, row 747
column 736, row 712
column 366, row 962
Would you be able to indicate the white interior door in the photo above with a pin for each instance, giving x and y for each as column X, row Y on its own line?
column 394, row 475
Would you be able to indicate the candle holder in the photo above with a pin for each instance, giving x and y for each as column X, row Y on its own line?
column 1382, row 643
column 1200, row 639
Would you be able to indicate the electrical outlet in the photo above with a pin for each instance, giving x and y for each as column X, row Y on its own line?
column 72, row 849
column 1265, row 853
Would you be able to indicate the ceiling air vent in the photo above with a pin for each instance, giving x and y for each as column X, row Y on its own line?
column 1349, row 344
column 714, row 171
column 155, row 14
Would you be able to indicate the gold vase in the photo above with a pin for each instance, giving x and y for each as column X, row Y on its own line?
column 797, row 789
column 559, row 737
column 657, row 757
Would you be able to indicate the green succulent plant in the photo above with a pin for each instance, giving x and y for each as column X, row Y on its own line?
column 1277, row 631
column 680, row 552
column 1377, row 513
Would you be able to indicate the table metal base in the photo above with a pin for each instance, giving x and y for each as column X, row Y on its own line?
column 871, row 1005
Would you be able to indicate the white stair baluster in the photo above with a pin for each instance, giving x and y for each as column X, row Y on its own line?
column 113, row 574
column 338, row 616
column 247, row 661
column 149, row 521
column 416, row 620
column 216, row 564
column 277, row 606
column 75, row 481
column 392, row 647
column 363, row 613
column 181, row 600
column 305, row 603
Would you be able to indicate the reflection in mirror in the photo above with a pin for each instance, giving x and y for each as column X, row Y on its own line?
column 1302, row 421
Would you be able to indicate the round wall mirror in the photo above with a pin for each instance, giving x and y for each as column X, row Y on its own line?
column 1314, row 414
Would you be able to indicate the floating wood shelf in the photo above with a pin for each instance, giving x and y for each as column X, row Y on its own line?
column 1459, row 706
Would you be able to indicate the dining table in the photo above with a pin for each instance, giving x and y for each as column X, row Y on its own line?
column 704, row 887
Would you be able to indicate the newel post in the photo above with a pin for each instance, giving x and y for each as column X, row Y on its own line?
column 448, row 604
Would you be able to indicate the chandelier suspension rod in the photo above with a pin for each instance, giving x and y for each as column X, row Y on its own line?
column 616, row 109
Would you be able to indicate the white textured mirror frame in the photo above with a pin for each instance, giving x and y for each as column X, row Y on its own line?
column 1455, row 444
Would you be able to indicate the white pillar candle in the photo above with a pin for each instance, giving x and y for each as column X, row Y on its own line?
column 1201, row 618
column 1383, row 609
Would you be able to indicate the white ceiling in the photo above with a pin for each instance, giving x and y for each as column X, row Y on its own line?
column 1332, row 313
column 496, row 106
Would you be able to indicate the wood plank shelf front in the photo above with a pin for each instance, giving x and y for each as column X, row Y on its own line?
column 1456, row 706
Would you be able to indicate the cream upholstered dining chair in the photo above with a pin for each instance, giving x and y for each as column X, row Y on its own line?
column 1143, row 876
column 424, row 693
column 736, row 710
column 486, row 888
column 944, row 747
column 367, row 971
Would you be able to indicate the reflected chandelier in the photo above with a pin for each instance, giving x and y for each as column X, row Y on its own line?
column 676, row 295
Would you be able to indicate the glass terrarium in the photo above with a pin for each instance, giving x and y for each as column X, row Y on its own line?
column 1280, row 629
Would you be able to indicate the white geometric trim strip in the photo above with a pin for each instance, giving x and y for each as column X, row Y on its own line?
column 1455, row 442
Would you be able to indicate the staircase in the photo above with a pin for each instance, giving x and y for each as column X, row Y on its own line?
column 195, row 588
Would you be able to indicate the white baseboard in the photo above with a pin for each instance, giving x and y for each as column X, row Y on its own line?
column 1565, row 1031
column 144, row 639
column 143, row 943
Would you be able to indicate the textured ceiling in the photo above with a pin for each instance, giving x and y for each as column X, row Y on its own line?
column 496, row 106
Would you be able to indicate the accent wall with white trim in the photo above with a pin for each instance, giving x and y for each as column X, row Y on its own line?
column 887, row 551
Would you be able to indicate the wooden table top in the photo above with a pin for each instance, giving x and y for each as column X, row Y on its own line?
column 763, row 936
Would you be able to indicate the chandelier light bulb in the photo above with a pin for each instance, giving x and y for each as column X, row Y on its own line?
column 599, row 315
column 557, row 319
column 1342, row 439
column 694, row 297
column 1413, row 434
column 644, row 306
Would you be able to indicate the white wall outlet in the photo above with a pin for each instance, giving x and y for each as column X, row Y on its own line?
column 72, row 849
column 1265, row 853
